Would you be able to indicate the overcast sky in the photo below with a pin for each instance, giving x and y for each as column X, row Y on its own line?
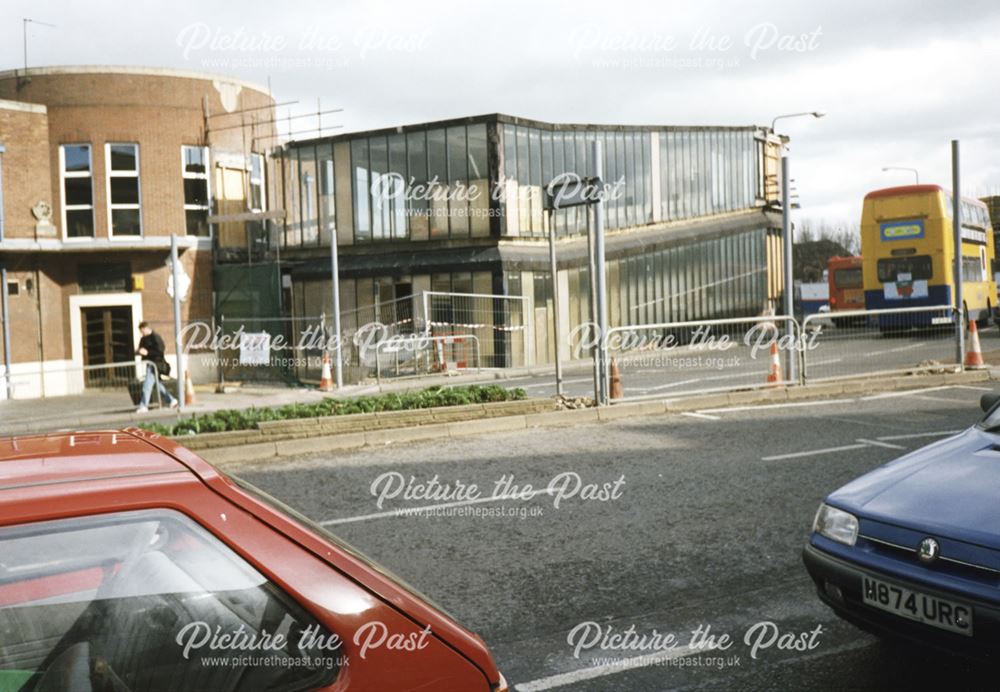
column 898, row 79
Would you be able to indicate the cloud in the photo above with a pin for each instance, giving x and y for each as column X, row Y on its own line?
column 898, row 78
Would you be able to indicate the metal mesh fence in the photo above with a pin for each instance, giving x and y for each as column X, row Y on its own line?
column 867, row 342
column 662, row 361
column 498, row 322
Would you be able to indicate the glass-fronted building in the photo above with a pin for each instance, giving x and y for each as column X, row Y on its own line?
column 458, row 207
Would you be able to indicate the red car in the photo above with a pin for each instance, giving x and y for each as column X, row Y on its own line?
column 129, row 563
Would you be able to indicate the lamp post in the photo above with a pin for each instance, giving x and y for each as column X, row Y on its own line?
column 815, row 114
column 914, row 171
column 786, row 235
column 956, row 224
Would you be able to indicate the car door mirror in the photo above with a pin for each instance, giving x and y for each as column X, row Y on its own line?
column 988, row 401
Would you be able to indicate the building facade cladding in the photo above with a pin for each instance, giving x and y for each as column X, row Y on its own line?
column 484, row 176
column 126, row 157
column 472, row 218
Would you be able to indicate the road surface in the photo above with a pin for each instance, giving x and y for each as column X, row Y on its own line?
column 705, row 531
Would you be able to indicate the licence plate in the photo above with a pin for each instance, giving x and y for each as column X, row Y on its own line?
column 921, row 607
column 941, row 320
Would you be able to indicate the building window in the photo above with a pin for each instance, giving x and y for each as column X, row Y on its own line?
column 104, row 277
column 362, row 212
column 124, row 213
column 257, row 182
column 194, row 162
column 77, row 190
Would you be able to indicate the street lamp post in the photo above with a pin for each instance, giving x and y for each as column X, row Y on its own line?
column 956, row 224
column 914, row 171
column 786, row 235
column 815, row 114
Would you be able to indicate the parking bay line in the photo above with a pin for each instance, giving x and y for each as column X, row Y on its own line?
column 910, row 436
column 909, row 392
column 880, row 443
column 578, row 676
column 861, row 443
column 699, row 414
column 924, row 397
column 760, row 407
column 814, row 452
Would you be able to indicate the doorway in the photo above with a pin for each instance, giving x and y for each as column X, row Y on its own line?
column 108, row 337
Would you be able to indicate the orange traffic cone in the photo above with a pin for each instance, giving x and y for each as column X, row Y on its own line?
column 326, row 377
column 974, row 353
column 188, row 389
column 616, row 381
column 774, row 374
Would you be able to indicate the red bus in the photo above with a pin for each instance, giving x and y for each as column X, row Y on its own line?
column 846, row 285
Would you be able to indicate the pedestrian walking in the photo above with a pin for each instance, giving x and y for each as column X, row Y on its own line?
column 151, row 350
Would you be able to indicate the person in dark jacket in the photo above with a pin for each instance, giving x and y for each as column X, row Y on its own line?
column 151, row 351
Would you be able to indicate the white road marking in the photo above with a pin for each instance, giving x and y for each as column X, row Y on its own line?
column 924, row 397
column 813, row 452
column 736, row 376
column 793, row 404
column 909, row 392
column 668, row 386
column 407, row 511
column 969, row 386
column 882, row 441
column 896, row 350
column 878, row 443
column 699, row 414
column 826, row 362
column 907, row 348
column 577, row 676
column 910, row 436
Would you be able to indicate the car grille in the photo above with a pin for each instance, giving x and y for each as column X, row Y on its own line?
column 945, row 563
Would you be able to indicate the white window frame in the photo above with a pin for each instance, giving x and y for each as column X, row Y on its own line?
column 187, row 175
column 122, row 174
column 261, row 182
column 63, row 175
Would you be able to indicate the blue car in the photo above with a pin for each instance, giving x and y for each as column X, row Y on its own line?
column 912, row 550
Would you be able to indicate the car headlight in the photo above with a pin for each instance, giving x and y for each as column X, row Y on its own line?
column 836, row 524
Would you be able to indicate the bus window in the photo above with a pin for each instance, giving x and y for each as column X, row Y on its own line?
column 972, row 269
column 847, row 278
column 918, row 268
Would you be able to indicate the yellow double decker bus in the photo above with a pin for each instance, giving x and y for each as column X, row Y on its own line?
column 908, row 251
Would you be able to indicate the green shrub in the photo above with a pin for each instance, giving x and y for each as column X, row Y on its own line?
column 247, row 419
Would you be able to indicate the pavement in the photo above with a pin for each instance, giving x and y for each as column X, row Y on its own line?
column 681, row 371
column 690, row 521
column 101, row 409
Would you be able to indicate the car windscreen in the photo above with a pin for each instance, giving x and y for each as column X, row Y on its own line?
column 138, row 601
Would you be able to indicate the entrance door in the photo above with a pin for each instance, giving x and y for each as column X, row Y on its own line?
column 402, row 309
column 108, row 338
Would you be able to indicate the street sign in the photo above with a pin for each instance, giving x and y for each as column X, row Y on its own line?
column 570, row 190
column 183, row 282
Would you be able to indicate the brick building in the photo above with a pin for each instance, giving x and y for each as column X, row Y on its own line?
column 99, row 166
